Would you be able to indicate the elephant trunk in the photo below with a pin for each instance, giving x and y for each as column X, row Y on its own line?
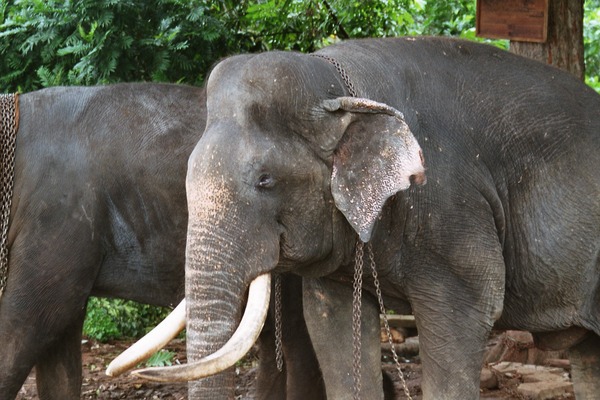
column 222, row 259
column 217, row 358
column 218, row 274
column 238, row 345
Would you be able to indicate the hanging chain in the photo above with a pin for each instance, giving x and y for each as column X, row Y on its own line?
column 278, row 325
column 356, row 319
column 341, row 71
column 9, row 121
column 358, row 278
column 385, row 321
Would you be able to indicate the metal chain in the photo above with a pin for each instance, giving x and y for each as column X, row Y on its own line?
column 357, row 285
column 278, row 325
column 341, row 71
column 356, row 318
column 385, row 321
column 358, row 263
column 8, row 132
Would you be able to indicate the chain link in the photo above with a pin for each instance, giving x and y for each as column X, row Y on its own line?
column 385, row 321
column 278, row 325
column 358, row 280
column 8, row 132
column 356, row 319
column 341, row 71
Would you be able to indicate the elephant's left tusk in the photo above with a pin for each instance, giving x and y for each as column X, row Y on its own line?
column 237, row 346
column 154, row 340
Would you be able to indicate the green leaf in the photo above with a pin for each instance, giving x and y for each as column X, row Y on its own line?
column 161, row 358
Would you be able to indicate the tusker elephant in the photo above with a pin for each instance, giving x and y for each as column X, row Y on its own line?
column 303, row 156
column 99, row 208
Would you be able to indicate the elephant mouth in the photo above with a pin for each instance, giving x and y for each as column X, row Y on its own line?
column 236, row 347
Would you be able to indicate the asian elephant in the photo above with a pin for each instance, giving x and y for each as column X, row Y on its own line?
column 304, row 155
column 99, row 208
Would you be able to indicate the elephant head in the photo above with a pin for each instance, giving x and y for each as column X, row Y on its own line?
column 288, row 172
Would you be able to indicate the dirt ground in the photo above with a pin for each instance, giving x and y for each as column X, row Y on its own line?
column 96, row 385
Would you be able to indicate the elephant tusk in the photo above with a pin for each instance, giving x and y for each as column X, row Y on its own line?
column 153, row 341
column 238, row 345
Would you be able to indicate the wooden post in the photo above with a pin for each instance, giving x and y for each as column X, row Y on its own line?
column 550, row 31
column 564, row 45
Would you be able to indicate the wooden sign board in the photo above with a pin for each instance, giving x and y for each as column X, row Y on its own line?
column 521, row 20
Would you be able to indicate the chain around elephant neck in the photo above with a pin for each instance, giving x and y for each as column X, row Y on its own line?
column 278, row 305
column 9, row 123
column 356, row 321
column 341, row 71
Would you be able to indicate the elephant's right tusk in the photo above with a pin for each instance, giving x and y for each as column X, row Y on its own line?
column 237, row 346
column 154, row 340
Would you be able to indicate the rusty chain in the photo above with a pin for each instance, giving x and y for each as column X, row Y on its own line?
column 356, row 315
column 386, row 324
column 278, row 325
column 356, row 319
column 341, row 71
column 8, row 131
column 357, row 288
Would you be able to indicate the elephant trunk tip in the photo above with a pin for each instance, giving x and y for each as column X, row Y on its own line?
column 232, row 351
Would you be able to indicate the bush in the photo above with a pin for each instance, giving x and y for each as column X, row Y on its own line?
column 591, row 43
column 115, row 318
column 83, row 42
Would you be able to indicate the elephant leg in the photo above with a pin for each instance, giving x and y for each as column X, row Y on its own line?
column 30, row 338
column 16, row 361
column 43, row 305
column 585, row 367
column 328, row 314
column 452, row 338
column 301, row 377
column 58, row 372
column 21, row 343
column 304, row 378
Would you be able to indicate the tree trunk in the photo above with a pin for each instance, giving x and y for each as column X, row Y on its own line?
column 564, row 46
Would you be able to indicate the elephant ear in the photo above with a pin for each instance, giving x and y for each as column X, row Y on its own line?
column 374, row 159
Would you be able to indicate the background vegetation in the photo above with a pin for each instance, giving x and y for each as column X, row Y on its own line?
column 88, row 42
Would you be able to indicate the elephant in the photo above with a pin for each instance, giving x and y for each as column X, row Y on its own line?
column 306, row 156
column 99, row 209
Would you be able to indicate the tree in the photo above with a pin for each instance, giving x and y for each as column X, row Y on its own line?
column 564, row 46
column 84, row 42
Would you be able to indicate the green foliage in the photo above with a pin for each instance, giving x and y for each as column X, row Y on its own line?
column 115, row 318
column 50, row 42
column 84, row 42
column 161, row 358
column 591, row 42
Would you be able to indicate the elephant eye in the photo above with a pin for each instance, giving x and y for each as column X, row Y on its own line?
column 265, row 181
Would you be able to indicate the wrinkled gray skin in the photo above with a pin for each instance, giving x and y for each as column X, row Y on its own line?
column 506, row 232
column 99, row 208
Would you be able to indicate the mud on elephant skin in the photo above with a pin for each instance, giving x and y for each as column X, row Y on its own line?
column 99, row 208
column 291, row 171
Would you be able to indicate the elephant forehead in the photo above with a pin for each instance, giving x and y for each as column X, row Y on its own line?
column 270, row 84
